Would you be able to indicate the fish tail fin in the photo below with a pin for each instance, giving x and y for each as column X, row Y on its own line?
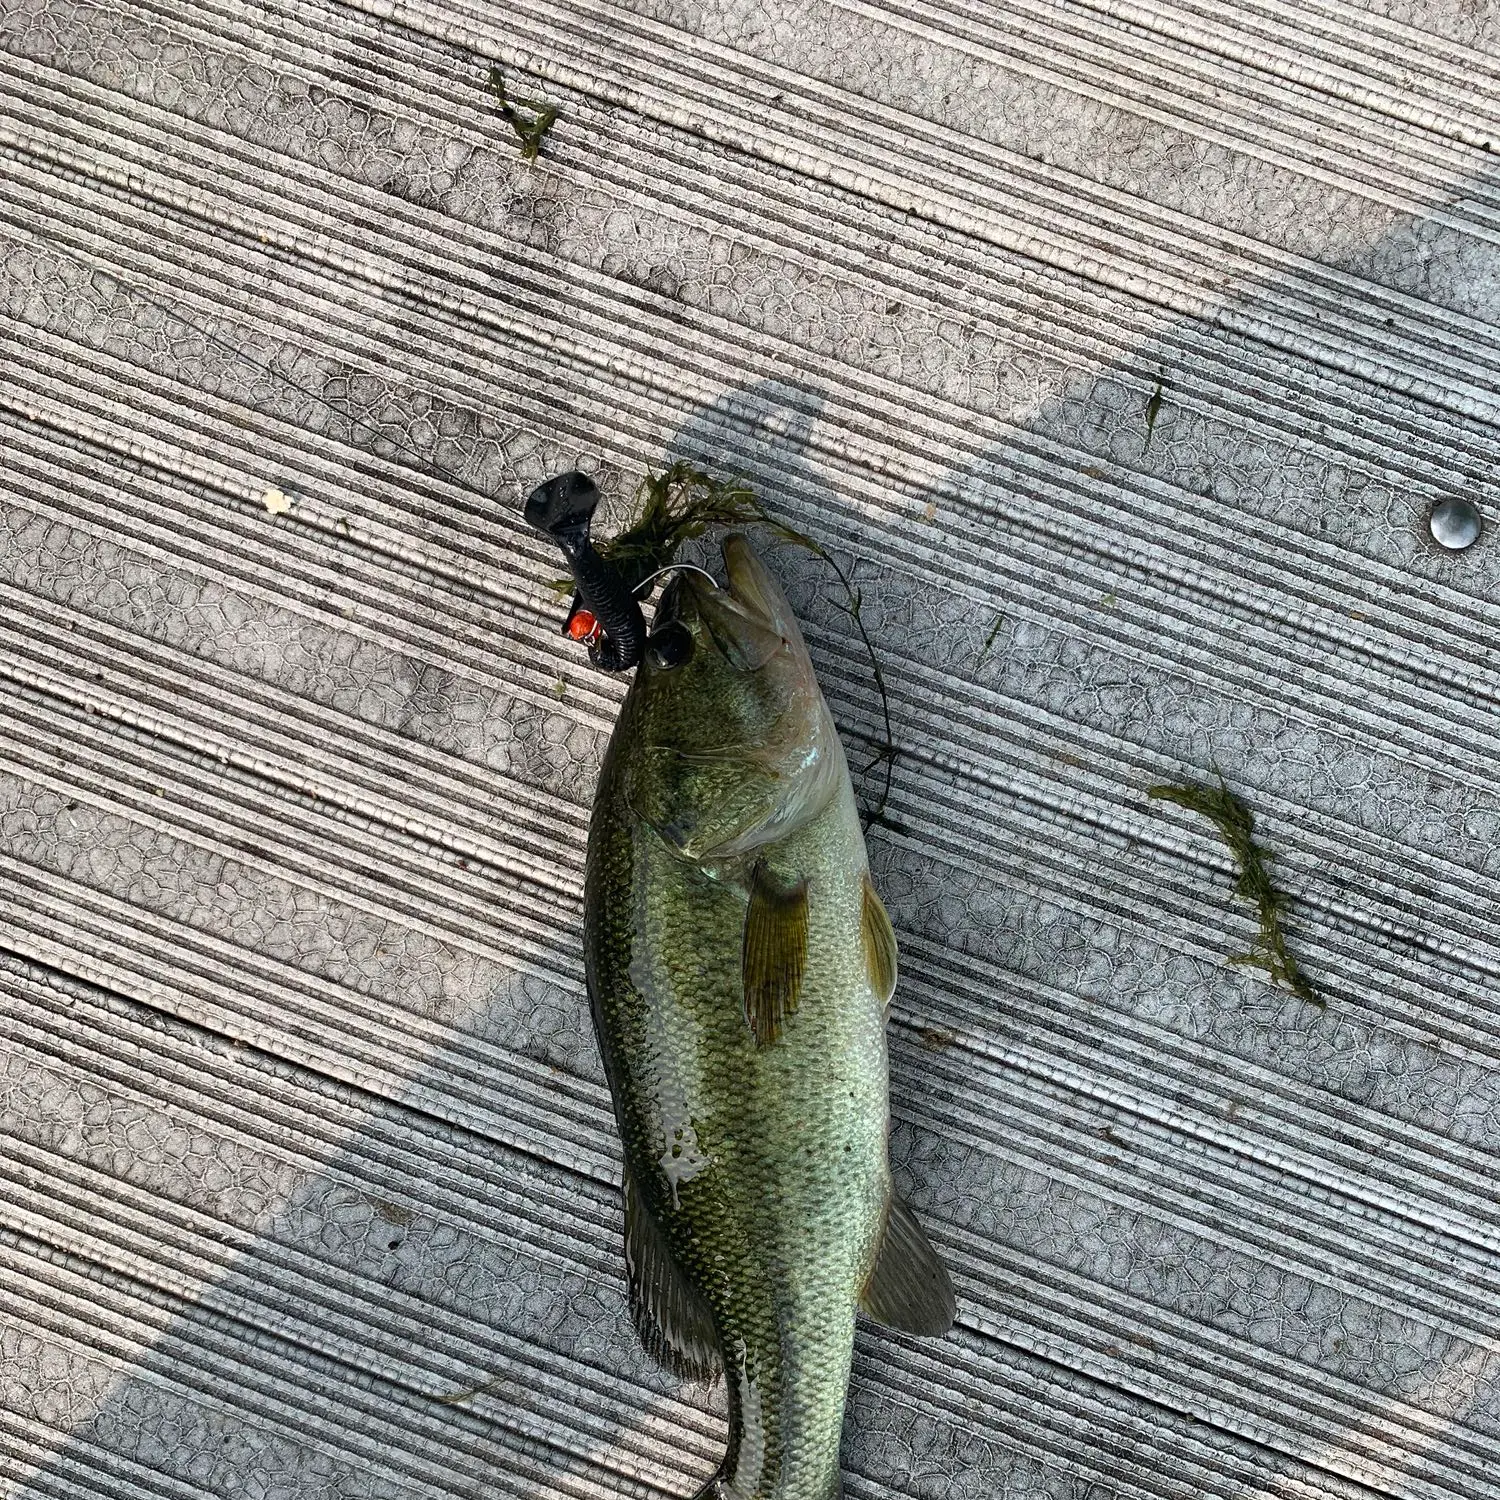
column 719, row 1488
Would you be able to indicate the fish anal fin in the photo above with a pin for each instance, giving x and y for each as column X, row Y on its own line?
column 879, row 940
column 775, row 954
column 909, row 1288
column 672, row 1319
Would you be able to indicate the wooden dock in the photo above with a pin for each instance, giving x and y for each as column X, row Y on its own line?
column 1120, row 350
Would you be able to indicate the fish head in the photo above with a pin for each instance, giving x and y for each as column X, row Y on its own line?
column 736, row 747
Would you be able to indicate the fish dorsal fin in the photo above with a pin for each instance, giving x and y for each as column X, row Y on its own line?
column 775, row 953
column 672, row 1319
column 909, row 1288
column 879, row 941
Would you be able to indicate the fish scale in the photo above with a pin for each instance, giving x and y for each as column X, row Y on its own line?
column 739, row 968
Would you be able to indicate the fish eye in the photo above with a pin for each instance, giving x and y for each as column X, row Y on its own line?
column 670, row 645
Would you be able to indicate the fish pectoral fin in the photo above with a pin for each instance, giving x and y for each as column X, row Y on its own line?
column 673, row 1320
column 909, row 1289
column 775, row 954
column 879, row 940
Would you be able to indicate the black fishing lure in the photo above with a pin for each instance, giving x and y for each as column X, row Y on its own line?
column 605, row 613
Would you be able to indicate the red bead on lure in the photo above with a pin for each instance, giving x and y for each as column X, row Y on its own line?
column 582, row 626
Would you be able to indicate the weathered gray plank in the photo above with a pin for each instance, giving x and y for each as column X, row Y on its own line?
column 304, row 1128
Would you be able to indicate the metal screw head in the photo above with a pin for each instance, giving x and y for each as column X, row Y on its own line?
column 1454, row 523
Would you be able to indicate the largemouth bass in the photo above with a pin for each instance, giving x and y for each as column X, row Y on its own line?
column 740, row 966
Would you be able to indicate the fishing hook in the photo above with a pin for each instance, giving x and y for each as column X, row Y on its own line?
column 643, row 587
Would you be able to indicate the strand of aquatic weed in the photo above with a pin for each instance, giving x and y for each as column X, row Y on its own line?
column 531, row 133
column 680, row 504
column 1236, row 825
column 672, row 508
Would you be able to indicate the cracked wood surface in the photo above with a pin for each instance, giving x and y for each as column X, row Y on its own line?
column 303, row 1124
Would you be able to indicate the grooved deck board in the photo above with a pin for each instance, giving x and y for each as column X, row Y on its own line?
column 303, row 1125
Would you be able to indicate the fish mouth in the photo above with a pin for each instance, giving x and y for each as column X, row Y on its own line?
column 738, row 620
column 746, row 582
column 669, row 604
column 753, row 587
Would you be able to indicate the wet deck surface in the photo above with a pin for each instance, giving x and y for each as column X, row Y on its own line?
column 304, row 1127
